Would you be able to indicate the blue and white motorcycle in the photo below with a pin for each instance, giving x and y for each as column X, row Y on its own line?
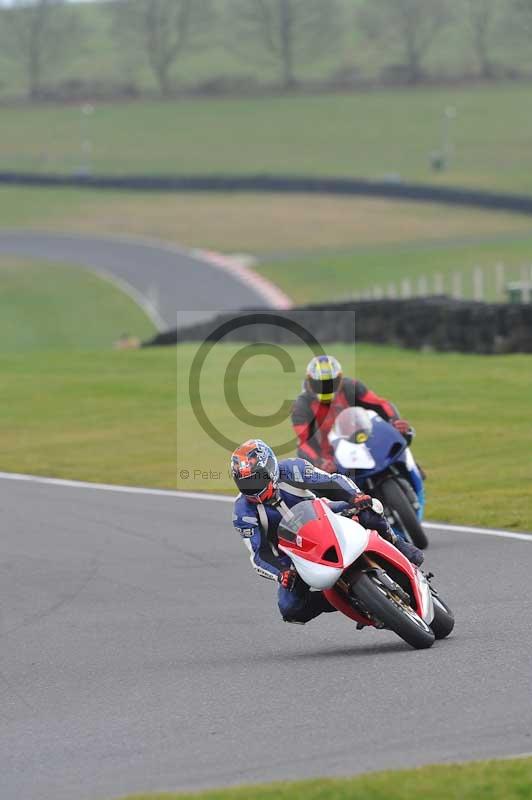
column 378, row 458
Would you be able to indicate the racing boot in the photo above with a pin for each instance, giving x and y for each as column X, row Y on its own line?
column 374, row 518
column 413, row 553
column 409, row 550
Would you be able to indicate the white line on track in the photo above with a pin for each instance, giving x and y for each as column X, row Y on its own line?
column 141, row 300
column 221, row 498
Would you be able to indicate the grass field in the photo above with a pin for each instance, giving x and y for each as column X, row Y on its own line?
column 57, row 307
column 325, row 228
column 483, row 780
column 342, row 275
column 259, row 224
column 366, row 134
column 114, row 417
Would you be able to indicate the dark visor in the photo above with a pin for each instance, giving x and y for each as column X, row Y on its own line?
column 255, row 484
column 325, row 387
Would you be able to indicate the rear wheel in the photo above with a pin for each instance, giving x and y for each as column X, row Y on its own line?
column 404, row 514
column 392, row 611
column 443, row 621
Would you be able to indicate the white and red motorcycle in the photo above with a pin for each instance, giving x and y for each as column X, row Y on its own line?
column 362, row 575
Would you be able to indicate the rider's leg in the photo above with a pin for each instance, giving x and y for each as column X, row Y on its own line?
column 418, row 486
column 301, row 605
column 370, row 519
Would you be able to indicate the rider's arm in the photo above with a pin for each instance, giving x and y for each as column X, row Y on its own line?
column 302, row 419
column 359, row 394
column 298, row 473
column 261, row 555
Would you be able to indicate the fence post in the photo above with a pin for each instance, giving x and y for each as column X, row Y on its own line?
column 458, row 291
column 478, row 284
column 525, row 286
column 422, row 286
column 406, row 288
column 499, row 281
column 391, row 293
column 438, row 283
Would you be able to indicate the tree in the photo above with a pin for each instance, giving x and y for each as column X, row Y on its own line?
column 289, row 32
column 40, row 34
column 482, row 15
column 413, row 25
column 163, row 29
column 520, row 16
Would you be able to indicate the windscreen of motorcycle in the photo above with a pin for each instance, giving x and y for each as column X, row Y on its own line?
column 353, row 424
column 295, row 518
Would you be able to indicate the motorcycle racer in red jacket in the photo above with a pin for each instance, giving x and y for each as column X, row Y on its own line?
column 326, row 392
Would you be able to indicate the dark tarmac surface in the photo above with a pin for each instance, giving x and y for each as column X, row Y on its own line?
column 183, row 287
column 140, row 651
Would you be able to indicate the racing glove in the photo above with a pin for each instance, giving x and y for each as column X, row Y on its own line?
column 287, row 579
column 402, row 426
column 361, row 502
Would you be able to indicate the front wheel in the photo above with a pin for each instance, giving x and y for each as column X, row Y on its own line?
column 443, row 621
column 404, row 514
column 392, row 611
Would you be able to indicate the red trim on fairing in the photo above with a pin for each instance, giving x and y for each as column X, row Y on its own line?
column 381, row 547
column 388, row 552
column 337, row 600
column 316, row 537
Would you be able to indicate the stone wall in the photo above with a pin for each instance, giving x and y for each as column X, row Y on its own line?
column 436, row 323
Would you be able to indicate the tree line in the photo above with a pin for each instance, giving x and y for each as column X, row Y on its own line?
column 41, row 37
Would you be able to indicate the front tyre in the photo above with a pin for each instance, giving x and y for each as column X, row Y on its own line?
column 405, row 516
column 392, row 611
column 443, row 621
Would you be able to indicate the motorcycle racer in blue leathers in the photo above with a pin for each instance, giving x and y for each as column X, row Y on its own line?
column 267, row 489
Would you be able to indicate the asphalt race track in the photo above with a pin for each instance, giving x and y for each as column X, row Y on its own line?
column 140, row 651
column 177, row 282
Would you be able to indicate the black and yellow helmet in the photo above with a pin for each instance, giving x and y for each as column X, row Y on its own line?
column 324, row 378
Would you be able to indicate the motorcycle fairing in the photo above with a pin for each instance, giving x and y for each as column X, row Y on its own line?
column 419, row 584
column 383, row 450
column 323, row 547
column 354, row 456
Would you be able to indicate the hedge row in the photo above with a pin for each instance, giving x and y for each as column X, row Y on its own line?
column 279, row 183
column 436, row 323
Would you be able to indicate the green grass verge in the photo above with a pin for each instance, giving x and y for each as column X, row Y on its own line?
column 339, row 276
column 482, row 780
column 260, row 223
column 367, row 134
column 115, row 417
column 47, row 306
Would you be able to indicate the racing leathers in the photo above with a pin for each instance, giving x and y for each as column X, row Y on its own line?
column 312, row 420
column 258, row 525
